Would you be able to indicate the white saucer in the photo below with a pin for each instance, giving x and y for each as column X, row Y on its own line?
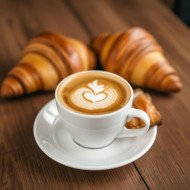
column 56, row 143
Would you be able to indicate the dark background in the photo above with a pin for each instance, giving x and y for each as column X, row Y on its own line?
column 181, row 8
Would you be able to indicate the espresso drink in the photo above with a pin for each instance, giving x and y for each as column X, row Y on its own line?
column 93, row 93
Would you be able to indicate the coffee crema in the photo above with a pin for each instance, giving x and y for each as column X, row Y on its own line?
column 93, row 93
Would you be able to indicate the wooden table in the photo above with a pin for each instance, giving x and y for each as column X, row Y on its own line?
column 23, row 165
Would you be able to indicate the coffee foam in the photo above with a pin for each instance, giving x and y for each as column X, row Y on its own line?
column 94, row 93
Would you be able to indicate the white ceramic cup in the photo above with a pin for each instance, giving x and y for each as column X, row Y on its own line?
column 96, row 131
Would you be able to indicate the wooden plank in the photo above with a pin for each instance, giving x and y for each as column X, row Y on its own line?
column 165, row 166
column 22, row 164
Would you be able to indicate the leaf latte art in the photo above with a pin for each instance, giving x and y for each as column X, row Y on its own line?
column 96, row 92
column 93, row 94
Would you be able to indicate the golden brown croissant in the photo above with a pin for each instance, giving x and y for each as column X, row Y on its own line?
column 136, row 56
column 143, row 101
column 48, row 58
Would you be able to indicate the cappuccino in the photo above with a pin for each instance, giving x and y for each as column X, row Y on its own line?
column 93, row 93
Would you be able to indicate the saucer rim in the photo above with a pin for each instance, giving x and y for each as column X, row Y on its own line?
column 89, row 167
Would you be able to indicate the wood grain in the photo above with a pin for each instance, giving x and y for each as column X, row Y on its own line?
column 165, row 166
column 22, row 164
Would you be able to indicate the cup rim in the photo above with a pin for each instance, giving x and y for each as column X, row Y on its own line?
column 93, row 115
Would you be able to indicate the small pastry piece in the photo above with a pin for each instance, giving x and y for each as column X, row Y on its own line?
column 136, row 56
column 47, row 59
column 143, row 102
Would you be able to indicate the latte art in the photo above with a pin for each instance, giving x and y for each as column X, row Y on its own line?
column 94, row 97
column 95, row 94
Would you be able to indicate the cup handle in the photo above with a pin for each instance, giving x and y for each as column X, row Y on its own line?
column 135, row 132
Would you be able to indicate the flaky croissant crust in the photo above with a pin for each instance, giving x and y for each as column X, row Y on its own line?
column 136, row 56
column 143, row 102
column 46, row 60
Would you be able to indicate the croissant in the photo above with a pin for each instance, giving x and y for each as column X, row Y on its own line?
column 136, row 56
column 48, row 58
column 143, row 101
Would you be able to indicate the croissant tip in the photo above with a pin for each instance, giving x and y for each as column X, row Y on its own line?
column 177, row 87
column 6, row 92
column 174, row 87
column 96, row 42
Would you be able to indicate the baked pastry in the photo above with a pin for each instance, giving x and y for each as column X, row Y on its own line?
column 136, row 56
column 46, row 60
column 143, row 102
